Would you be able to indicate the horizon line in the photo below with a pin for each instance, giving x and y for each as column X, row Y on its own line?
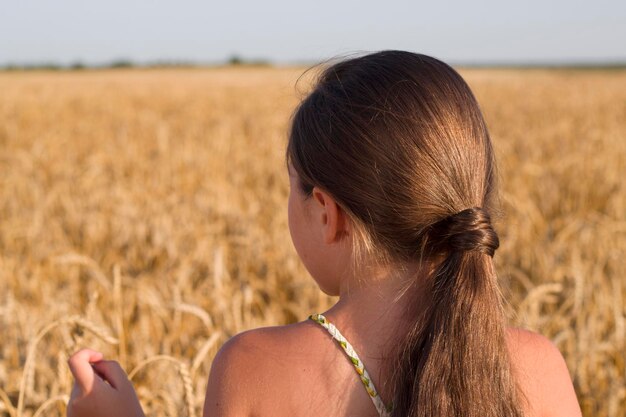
column 238, row 60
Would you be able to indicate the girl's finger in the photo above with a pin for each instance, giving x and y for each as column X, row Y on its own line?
column 80, row 365
column 112, row 372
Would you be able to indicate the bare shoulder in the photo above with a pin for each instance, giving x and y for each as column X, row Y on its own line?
column 251, row 364
column 543, row 374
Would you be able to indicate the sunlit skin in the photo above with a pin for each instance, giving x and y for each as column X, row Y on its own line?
column 296, row 369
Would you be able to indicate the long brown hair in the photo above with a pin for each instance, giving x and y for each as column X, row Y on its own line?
column 398, row 139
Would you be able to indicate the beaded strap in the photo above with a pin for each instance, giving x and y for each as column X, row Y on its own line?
column 383, row 409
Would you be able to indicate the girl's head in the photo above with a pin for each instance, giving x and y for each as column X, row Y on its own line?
column 399, row 142
column 398, row 139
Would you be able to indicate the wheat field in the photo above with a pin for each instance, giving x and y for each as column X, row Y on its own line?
column 143, row 213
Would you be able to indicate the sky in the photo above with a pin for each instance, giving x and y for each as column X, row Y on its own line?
column 290, row 31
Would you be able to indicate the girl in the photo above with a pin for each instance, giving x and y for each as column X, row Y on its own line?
column 391, row 187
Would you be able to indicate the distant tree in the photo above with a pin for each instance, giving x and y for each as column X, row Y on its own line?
column 235, row 60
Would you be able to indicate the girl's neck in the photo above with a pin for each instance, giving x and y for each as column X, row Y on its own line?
column 374, row 313
column 376, row 308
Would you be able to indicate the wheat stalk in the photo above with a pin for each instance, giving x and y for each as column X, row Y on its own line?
column 7, row 403
column 183, row 370
column 203, row 351
column 119, row 313
column 62, row 398
column 29, row 369
column 196, row 311
column 92, row 266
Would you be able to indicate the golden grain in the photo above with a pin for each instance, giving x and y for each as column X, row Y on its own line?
column 138, row 199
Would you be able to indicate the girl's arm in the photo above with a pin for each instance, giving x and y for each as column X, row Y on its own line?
column 101, row 388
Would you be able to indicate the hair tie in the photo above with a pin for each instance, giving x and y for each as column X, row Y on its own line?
column 467, row 230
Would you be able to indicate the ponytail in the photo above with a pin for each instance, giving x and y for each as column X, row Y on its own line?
column 454, row 361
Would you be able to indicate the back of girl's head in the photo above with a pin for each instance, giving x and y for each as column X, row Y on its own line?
column 399, row 140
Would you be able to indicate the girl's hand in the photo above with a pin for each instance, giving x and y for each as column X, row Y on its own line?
column 101, row 388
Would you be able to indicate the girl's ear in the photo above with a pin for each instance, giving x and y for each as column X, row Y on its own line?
column 332, row 218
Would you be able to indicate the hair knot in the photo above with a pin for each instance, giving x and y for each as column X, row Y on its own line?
column 467, row 230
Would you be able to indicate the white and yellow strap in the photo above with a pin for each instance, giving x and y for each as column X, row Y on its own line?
column 383, row 410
